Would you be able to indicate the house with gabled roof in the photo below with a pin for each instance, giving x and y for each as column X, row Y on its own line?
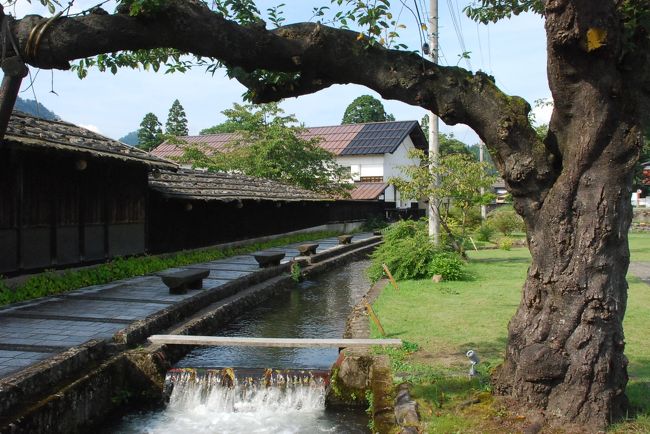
column 373, row 152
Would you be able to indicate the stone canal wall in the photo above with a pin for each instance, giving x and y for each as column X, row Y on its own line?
column 82, row 387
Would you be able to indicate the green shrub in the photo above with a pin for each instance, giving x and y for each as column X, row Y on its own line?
column 406, row 258
column 484, row 233
column 472, row 217
column 405, row 229
column 374, row 223
column 504, row 243
column 505, row 220
column 409, row 254
column 448, row 265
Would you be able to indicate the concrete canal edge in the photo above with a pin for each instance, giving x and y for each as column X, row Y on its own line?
column 76, row 390
column 365, row 379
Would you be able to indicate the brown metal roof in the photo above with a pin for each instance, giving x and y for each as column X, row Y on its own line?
column 213, row 186
column 352, row 139
column 32, row 132
column 334, row 139
column 368, row 190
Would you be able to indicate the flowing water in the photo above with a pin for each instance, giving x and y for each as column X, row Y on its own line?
column 258, row 396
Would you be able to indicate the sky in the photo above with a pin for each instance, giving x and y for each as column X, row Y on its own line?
column 513, row 51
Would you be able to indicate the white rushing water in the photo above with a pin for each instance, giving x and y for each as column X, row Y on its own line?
column 201, row 404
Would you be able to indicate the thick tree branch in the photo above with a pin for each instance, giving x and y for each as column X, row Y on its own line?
column 322, row 56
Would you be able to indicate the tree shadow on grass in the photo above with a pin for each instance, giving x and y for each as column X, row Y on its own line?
column 485, row 350
column 638, row 388
column 508, row 260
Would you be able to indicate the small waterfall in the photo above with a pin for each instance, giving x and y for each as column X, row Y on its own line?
column 235, row 391
column 239, row 401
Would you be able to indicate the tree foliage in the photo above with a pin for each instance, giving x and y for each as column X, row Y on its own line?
column 456, row 179
column 245, row 118
column 268, row 144
column 150, row 133
column 176, row 120
column 366, row 108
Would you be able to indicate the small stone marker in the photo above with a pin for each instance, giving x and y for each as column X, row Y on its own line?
column 268, row 259
column 344, row 239
column 307, row 249
column 437, row 278
column 180, row 281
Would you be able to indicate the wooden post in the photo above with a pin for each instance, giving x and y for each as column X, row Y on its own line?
column 375, row 319
column 14, row 71
column 390, row 277
column 473, row 244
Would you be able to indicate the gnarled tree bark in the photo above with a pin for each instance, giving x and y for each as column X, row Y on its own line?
column 565, row 347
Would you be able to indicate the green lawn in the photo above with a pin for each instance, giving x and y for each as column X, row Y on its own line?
column 446, row 319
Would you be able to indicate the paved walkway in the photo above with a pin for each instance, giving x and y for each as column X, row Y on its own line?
column 33, row 331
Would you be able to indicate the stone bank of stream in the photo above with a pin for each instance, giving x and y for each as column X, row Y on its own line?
column 81, row 388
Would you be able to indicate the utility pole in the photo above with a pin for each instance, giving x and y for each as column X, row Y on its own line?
column 434, row 146
column 480, row 158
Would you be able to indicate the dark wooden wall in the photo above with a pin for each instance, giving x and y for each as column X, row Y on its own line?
column 174, row 226
column 53, row 215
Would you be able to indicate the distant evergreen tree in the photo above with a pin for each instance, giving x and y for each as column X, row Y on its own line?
column 150, row 133
column 176, row 121
column 366, row 108
column 35, row 108
column 131, row 138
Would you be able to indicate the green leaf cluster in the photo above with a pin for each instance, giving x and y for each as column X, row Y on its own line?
column 366, row 108
column 505, row 220
column 378, row 26
column 491, row 11
column 176, row 120
column 150, row 132
column 267, row 144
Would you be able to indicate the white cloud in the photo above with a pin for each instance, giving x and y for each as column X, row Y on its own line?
column 91, row 127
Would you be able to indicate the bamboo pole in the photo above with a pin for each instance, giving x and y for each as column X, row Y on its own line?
column 390, row 277
column 375, row 319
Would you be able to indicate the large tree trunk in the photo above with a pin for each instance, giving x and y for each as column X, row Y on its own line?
column 565, row 343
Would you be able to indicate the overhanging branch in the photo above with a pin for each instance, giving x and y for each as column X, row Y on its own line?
column 322, row 56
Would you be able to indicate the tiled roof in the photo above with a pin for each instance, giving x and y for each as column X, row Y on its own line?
column 352, row 139
column 32, row 132
column 217, row 142
column 368, row 190
column 211, row 186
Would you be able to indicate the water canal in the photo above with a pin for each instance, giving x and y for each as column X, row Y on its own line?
column 199, row 403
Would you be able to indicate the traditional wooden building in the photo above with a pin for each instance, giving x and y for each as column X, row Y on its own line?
column 190, row 209
column 69, row 196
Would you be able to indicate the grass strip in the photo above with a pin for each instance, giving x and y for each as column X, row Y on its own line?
column 52, row 283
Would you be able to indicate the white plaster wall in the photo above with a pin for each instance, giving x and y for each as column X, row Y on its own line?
column 363, row 165
column 386, row 166
column 392, row 164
